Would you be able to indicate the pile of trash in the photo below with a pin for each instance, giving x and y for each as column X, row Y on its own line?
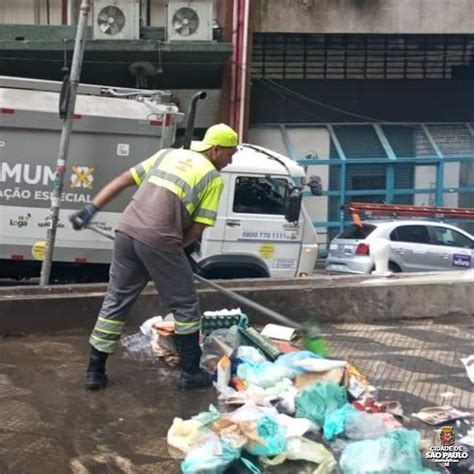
column 278, row 404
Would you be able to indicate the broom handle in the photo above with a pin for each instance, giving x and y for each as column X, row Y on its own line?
column 251, row 304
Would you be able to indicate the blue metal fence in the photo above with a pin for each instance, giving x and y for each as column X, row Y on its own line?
column 346, row 158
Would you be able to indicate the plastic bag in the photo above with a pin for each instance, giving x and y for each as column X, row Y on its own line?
column 147, row 326
column 320, row 399
column 304, row 449
column 250, row 354
column 295, row 427
column 250, row 411
column 234, row 434
column 292, row 359
column 364, row 425
column 320, row 365
column 162, row 340
column 221, row 342
column 183, row 434
column 265, row 374
column 137, row 346
column 395, row 453
column 273, row 436
column 209, row 456
column 207, row 418
column 335, row 421
column 286, row 404
column 259, row 395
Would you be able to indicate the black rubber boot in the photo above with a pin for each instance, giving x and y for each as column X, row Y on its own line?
column 96, row 378
column 191, row 374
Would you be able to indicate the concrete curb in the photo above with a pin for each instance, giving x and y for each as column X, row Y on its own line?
column 321, row 299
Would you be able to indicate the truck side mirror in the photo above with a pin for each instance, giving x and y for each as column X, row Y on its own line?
column 293, row 205
column 315, row 185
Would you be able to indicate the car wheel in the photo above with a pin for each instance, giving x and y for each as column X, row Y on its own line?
column 394, row 268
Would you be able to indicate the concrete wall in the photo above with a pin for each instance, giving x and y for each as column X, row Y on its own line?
column 29, row 12
column 328, row 299
column 304, row 16
column 365, row 16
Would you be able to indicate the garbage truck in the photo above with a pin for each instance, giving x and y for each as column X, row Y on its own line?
column 262, row 229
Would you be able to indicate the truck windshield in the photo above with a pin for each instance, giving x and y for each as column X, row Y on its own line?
column 356, row 232
column 260, row 195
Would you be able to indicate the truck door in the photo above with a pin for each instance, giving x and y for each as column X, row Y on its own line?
column 255, row 223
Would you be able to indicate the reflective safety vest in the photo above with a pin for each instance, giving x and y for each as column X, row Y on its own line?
column 187, row 174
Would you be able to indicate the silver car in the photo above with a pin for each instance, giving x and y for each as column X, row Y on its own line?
column 415, row 246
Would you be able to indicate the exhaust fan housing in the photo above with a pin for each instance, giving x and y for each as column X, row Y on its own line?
column 189, row 21
column 116, row 19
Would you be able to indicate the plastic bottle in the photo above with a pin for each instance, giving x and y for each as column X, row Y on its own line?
column 138, row 346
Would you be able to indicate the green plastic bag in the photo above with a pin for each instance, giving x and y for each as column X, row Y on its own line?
column 273, row 435
column 335, row 421
column 209, row 456
column 300, row 448
column 320, row 399
column 397, row 452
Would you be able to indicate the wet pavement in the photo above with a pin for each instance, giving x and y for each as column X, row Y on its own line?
column 50, row 424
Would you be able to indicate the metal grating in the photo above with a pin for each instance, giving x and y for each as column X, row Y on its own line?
column 352, row 56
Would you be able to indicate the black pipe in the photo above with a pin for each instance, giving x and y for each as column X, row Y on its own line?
column 188, row 132
column 48, row 13
column 148, row 13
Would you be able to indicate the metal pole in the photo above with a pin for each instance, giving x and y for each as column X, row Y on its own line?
column 37, row 12
column 64, row 143
column 71, row 12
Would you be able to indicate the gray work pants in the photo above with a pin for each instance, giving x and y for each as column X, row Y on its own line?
column 133, row 265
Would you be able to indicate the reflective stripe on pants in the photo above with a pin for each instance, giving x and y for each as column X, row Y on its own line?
column 133, row 265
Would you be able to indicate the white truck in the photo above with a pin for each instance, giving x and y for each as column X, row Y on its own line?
column 262, row 230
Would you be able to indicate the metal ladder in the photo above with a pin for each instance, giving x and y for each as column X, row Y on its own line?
column 406, row 210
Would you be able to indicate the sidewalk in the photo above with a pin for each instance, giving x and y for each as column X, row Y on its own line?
column 48, row 419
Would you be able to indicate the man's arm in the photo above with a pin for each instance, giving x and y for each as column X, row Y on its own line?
column 82, row 218
column 113, row 188
column 193, row 233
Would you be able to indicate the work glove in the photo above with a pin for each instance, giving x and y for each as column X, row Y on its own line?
column 81, row 219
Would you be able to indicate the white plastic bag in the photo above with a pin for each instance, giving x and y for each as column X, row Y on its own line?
column 183, row 434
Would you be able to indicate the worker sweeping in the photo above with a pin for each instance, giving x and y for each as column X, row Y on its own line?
column 177, row 198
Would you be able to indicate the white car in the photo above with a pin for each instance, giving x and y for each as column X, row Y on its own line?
column 415, row 246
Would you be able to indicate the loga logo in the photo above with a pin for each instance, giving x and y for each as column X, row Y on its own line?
column 20, row 221
column 82, row 177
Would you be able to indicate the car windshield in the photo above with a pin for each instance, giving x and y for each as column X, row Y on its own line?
column 356, row 232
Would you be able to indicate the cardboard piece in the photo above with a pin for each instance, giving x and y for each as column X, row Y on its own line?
column 440, row 414
column 275, row 331
column 303, row 380
column 223, row 372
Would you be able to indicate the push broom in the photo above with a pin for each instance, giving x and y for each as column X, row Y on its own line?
column 310, row 334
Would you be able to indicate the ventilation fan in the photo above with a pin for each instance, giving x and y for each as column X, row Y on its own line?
column 188, row 21
column 116, row 19
column 111, row 20
column 185, row 21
